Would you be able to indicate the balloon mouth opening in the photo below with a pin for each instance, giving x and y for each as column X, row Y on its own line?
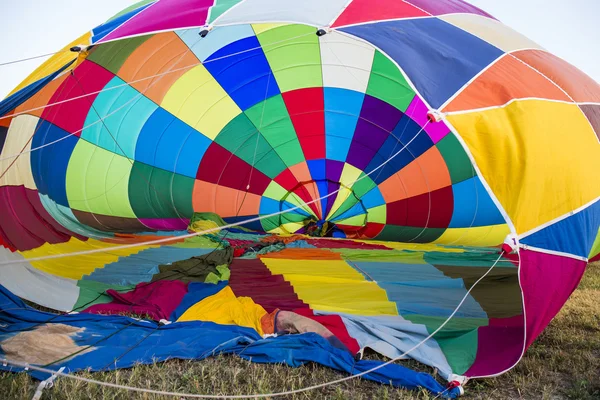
column 322, row 208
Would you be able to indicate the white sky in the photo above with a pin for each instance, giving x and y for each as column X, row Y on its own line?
column 568, row 28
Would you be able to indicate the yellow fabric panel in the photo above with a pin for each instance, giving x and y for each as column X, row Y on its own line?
column 332, row 285
column 475, row 236
column 198, row 100
column 540, row 158
column 420, row 247
column 349, row 176
column 226, row 309
column 260, row 28
column 76, row 267
column 491, row 31
column 18, row 139
column 55, row 62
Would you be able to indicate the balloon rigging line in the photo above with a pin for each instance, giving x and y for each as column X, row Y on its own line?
column 32, row 58
column 211, row 230
column 266, row 45
column 284, row 393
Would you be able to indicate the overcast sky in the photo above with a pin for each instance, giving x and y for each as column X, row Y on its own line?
column 567, row 28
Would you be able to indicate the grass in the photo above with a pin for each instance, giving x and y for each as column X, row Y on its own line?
column 563, row 363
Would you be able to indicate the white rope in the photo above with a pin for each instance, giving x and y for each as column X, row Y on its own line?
column 32, row 58
column 256, row 396
column 211, row 230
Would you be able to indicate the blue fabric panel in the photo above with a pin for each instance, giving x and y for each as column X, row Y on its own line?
column 373, row 198
column 342, row 108
column 317, row 169
column 323, row 187
column 197, row 291
column 421, row 289
column 300, row 244
column 140, row 267
column 128, row 111
column 127, row 342
column 255, row 225
column 242, row 69
column 168, row 143
column 16, row 99
column 473, row 206
column 102, row 30
column 356, row 209
column 438, row 57
column 49, row 164
column 218, row 38
column 573, row 235
column 3, row 133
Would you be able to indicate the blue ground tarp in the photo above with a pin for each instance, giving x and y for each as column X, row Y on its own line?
column 121, row 342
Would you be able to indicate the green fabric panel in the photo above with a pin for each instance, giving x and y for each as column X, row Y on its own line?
column 388, row 84
column 270, row 223
column 97, row 181
column 112, row 55
column 156, row 193
column 458, row 339
column 595, row 247
column 131, row 8
column 241, row 138
column 273, row 120
column 360, row 188
column 456, row 159
column 196, row 242
column 409, row 234
column 219, row 8
column 92, row 292
column 403, row 257
column 291, row 217
column 466, row 259
column 296, row 63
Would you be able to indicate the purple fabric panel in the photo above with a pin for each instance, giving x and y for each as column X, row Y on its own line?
column 331, row 187
column 156, row 299
column 439, row 7
column 547, row 281
column 417, row 111
column 333, row 170
column 164, row 15
column 377, row 120
column 168, row 224
column 499, row 346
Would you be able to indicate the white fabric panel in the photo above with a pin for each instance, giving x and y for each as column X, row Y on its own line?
column 31, row 284
column 346, row 62
column 19, row 132
column 392, row 336
column 215, row 40
column 311, row 12
column 491, row 31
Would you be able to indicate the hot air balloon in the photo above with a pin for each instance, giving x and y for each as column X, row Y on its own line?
column 386, row 169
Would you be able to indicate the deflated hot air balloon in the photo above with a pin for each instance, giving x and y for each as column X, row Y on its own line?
column 349, row 167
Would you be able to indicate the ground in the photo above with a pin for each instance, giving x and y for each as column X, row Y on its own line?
column 563, row 363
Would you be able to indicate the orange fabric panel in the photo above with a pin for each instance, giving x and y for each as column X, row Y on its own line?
column 161, row 53
column 303, row 254
column 578, row 85
column 224, row 201
column 426, row 173
column 6, row 121
column 309, row 191
column 505, row 80
column 41, row 98
column 124, row 238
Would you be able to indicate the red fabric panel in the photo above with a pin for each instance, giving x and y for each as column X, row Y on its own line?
column 25, row 223
column 71, row 115
column 335, row 324
column 423, row 211
column 306, row 108
column 377, row 10
column 345, row 244
column 289, row 182
column 157, row 300
column 251, row 278
column 221, row 167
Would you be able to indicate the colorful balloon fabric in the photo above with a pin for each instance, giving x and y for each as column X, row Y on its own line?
column 420, row 134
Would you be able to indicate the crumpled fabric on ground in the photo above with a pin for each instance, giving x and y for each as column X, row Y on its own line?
column 198, row 269
column 157, row 300
column 335, row 324
column 227, row 309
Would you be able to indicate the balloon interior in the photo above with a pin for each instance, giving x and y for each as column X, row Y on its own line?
column 296, row 181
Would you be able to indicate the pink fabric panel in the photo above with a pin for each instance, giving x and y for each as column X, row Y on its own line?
column 440, row 7
column 547, row 282
column 417, row 111
column 155, row 299
column 167, row 224
column 164, row 15
column 499, row 346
